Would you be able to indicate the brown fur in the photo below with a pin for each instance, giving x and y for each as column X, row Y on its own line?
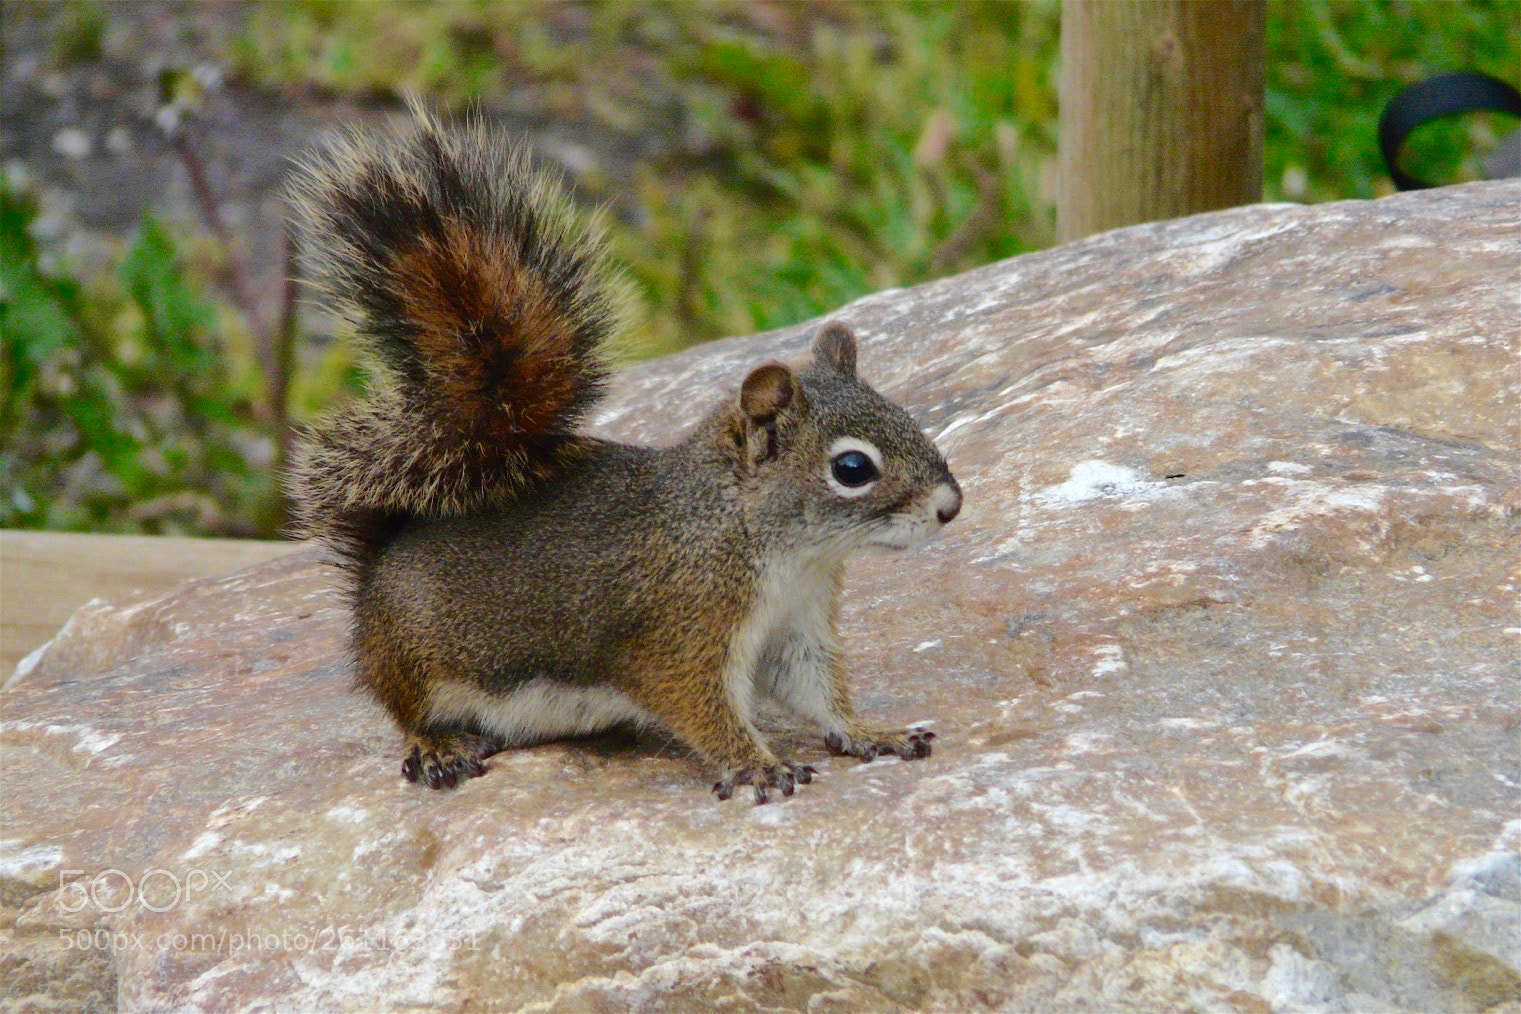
column 486, row 305
column 486, row 323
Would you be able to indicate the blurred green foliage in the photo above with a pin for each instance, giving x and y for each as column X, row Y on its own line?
column 765, row 162
column 118, row 412
column 1334, row 64
column 792, row 157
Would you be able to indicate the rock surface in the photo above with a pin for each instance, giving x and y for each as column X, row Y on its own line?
column 1222, row 654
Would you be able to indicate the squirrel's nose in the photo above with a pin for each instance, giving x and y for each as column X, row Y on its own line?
column 947, row 501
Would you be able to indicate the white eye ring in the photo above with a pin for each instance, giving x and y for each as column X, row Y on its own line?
column 845, row 445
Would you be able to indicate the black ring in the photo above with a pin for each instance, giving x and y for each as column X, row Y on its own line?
column 1443, row 95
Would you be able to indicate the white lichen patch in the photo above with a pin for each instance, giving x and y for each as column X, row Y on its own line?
column 1111, row 659
column 93, row 741
column 80, row 743
column 1166, row 572
column 1288, row 468
column 1094, row 480
column 1295, row 982
column 1213, row 358
column 1188, row 724
column 204, row 843
column 345, row 814
column 1310, row 500
column 231, row 812
column 19, row 862
column 1087, row 742
column 28, row 663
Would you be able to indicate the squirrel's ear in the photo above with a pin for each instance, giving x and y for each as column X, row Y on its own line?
column 766, row 392
column 835, row 346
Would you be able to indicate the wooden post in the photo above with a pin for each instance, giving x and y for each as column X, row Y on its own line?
column 1161, row 110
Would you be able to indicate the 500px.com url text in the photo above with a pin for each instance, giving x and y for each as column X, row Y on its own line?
column 327, row 938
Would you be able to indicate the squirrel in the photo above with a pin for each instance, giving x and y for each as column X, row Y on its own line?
column 514, row 580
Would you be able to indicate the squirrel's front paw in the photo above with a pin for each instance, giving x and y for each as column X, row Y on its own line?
column 909, row 744
column 445, row 760
column 784, row 775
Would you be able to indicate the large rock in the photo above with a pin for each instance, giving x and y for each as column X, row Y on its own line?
column 1222, row 655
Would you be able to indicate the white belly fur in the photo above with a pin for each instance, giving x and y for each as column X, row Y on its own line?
column 536, row 711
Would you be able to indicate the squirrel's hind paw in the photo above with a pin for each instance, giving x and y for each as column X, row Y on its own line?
column 785, row 776
column 446, row 760
column 909, row 744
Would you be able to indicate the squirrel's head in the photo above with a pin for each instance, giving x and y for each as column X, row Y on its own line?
column 833, row 462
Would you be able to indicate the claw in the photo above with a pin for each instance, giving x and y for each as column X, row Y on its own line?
column 785, row 777
column 910, row 744
column 447, row 760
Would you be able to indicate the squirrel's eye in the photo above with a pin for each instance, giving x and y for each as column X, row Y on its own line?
column 853, row 469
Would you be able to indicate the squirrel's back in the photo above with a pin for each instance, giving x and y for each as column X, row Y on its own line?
column 486, row 306
column 608, row 537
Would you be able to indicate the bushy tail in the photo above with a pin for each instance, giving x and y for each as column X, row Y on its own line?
column 486, row 306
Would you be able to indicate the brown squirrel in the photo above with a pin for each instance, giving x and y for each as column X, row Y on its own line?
column 514, row 580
